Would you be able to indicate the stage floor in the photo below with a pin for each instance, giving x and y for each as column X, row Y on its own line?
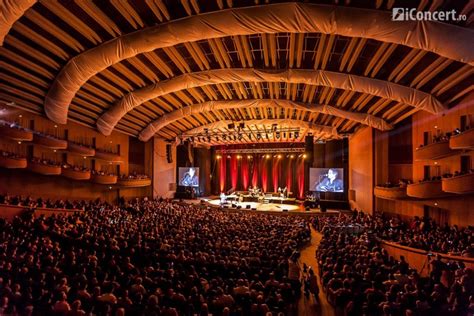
column 264, row 207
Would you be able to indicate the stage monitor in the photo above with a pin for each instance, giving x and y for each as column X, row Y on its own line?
column 326, row 179
column 188, row 176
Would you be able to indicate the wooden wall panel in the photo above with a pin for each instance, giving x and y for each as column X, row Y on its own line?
column 360, row 169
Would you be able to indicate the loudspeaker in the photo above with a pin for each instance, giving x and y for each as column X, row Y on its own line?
column 308, row 147
column 284, row 210
column 169, row 156
column 239, row 207
column 247, row 206
column 254, row 208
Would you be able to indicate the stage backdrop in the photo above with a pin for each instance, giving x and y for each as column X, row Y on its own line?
column 270, row 171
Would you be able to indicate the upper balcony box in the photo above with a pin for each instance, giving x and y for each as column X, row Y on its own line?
column 394, row 193
column 49, row 141
column 463, row 184
column 12, row 162
column 107, row 156
column 15, row 133
column 425, row 190
column 464, row 140
column 49, row 170
column 434, row 151
column 78, row 149
column 134, row 182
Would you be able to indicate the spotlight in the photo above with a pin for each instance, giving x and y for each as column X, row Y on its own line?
column 259, row 136
column 267, row 156
column 224, row 137
column 19, row 143
column 304, row 156
column 240, row 136
column 228, row 156
column 250, row 136
column 278, row 135
column 279, row 156
column 218, row 157
column 284, row 135
column 239, row 157
column 55, row 126
column 297, row 135
column 249, row 157
column 292, row 156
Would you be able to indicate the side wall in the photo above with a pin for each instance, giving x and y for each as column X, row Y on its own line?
column 23, row 182
column 164, row 173
column 361, row 176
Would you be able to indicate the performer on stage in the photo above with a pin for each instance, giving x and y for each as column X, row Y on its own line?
column 330, row 183
column 285, row 192
column 223, row 198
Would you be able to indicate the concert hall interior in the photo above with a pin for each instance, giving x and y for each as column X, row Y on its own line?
column 237, row 157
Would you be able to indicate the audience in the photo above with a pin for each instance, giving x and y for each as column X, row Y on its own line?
column 360, row 278
column 150, row 258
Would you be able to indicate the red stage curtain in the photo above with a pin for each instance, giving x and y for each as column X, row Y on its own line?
column 300, row 177
column 255, row 171
column 264, row 173
column 245, row 172
column 289, row 174
column 222, row 172
column 276, row 174
column 233, row 171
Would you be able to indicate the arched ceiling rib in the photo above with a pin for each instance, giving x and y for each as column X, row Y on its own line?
column 10, row 12
column 174, row 116
column 288, row 17
column 384, row 89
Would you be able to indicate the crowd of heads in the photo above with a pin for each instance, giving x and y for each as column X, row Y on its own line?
column 150, row 258
column 361, row 278
column 31, row 203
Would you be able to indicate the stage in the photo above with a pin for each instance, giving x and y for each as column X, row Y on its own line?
column 275, row 208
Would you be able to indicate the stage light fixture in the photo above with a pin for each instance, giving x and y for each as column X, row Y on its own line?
column 240, row 136
column 278, row 135
column 259, row 136
column 192, row 139
column 224, row 137
column 218, row 157
column 284, row 135
column 239, row 157
column 209, row 139
column 217, row 138
column 292, row 156
column 297, row 135
column 279, row 156
column 304, row 156
column 228, row 157
column 267, row 156
column 250, row 135
column 249, row 157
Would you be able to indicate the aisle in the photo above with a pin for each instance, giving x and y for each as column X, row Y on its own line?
column 307, row 307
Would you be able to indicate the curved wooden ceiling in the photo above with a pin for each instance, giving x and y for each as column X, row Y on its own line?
column 50, row 33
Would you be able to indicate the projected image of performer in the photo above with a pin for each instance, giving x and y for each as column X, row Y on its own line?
column 190, row 179
column 329, row 182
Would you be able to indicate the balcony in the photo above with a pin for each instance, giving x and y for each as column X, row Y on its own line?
column 49, row 141
column 464, row 140
column 79, row 149
column 15, row 133
column 107, row 156
column 434, row 151
column 463, row 184
column 12, row 163
column 134, row 183
column 49, row 170
column 393, row 193
column 76, row 174
column 425, row 190
column 104, row 179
